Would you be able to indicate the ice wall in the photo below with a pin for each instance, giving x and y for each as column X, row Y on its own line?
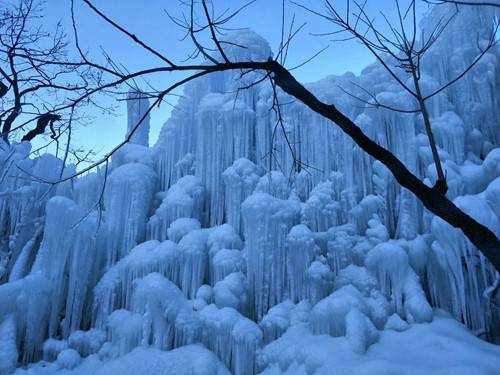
column 214, row 238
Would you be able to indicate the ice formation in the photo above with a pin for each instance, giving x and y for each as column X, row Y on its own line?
column 204, row 255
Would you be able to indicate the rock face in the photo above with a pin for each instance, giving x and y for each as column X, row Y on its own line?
column 212, row 241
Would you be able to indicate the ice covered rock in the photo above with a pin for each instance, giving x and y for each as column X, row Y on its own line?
column 68, row 359
column 185, row 199
column 180, row 227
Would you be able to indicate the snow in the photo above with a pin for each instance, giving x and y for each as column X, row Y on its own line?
column 441, row 347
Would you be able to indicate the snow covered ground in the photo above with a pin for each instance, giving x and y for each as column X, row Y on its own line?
column 209, row 257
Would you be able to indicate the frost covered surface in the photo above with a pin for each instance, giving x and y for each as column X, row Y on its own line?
column 206, row 257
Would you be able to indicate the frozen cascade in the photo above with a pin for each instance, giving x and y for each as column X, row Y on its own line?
column 225, row 262
column 232, row 292
column 345, row 313
column 205, row 239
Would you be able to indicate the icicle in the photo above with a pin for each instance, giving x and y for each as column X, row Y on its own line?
column 457, row 272
column 185, row 199
column 240, row 180
column 160, row 302
column 124, row 331
column 127, row 199
column 319, row 281
column 193, row 261
column 222, row 237
column 321, row 210
column 399, row 282
column 232, row 292
column 225, row 262
column 300, row 252
column 267, row 221
column 276, row 321
column 232, row 337
column 8, row 349
column 180, row 227
column 115, row 287
column 226, row 129
column 87, row 342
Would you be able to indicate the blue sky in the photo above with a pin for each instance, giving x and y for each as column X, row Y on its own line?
column 147, row 19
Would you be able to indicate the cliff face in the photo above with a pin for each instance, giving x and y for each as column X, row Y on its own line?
column 216, row 236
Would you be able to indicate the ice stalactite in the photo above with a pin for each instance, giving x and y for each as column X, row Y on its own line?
column 232, row 337
column 274, row 183
column 239, row 182
column 300, row 252
column 293, row 246
column 267, row 221
column 399, row 282
column 458, row 273
column 225, row 262
column 22, row 201
column 8, row 349
column 161, row 303
column 68, row 259
column 193, row 258
column 319, row 280
column 282, row 316
column 223, row 237
column 226, row 134
column 28, row 299
column 127, row 201
column 180, row 227
column 124, row 332
column 114, row 290
column 185, row 199
column 322, row 209
column 345, row 313
column 87, row 342
column 232, row 292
